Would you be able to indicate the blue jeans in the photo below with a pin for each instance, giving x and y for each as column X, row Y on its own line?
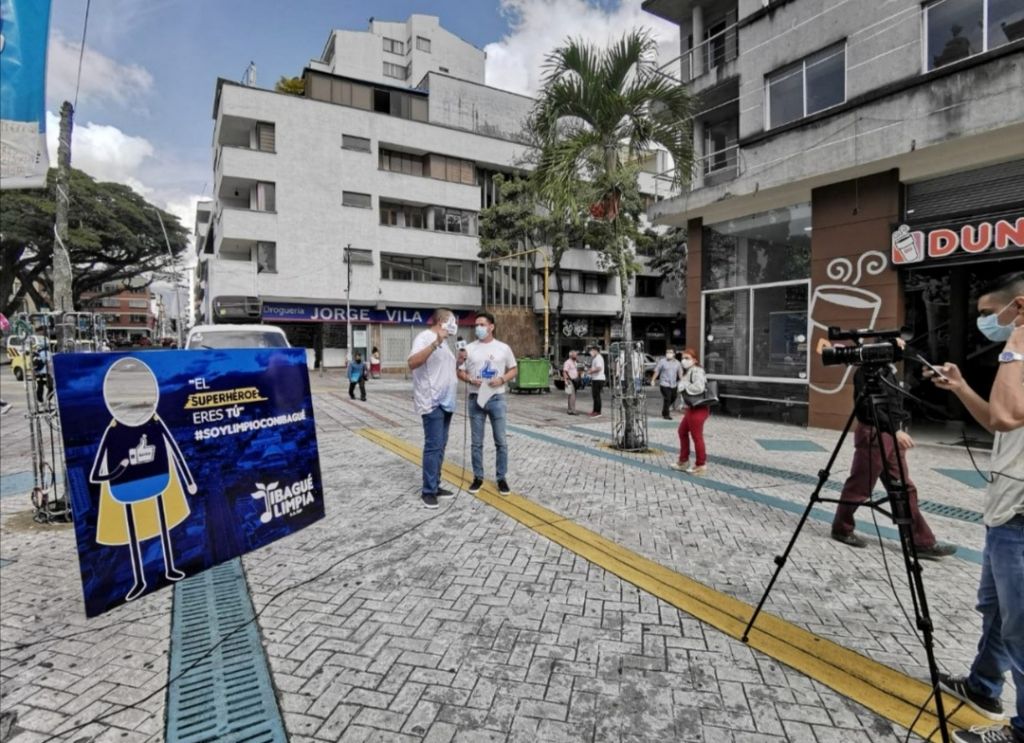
column 1001, row 603
column 435, row 439
column 497, row 410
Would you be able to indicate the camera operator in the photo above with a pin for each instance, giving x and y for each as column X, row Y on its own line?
column 869, row 446
column 1001, row 590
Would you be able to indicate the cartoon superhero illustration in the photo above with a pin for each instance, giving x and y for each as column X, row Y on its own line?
column 140, row 471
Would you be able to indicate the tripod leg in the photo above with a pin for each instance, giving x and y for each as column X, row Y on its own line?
column 780, row 560
column 899, row 503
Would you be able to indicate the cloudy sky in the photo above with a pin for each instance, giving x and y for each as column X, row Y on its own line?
column 150, row 67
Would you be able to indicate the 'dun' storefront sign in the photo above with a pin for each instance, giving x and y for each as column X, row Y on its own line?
column 990, row 238
column 180, row 460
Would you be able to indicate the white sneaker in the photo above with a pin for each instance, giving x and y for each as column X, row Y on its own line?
column 694, row 470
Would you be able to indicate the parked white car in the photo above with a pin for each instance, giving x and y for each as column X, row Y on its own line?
column 236, row 336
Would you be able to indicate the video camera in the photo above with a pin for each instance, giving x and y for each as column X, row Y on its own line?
column 885, row 349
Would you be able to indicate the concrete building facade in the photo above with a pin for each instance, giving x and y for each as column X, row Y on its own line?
column 365, row 193
column 830, row 136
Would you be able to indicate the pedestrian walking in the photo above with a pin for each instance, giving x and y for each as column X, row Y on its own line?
column 596, row 379
column 1000, row 594
column 434, row 388
column 692, row 385
column 667, row 372
column 874, row 450
column 357, row 376
column 571, row 378
column 489, row 366
column 375, row 363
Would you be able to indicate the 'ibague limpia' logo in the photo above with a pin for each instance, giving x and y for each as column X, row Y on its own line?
column 286, row 501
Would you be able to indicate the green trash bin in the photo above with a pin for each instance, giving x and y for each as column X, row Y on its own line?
column 533, row 375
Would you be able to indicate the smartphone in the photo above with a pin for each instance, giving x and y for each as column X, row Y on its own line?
column 936, row 370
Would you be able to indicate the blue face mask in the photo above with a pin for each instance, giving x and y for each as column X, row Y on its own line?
column 991, row 328
column 481, row 332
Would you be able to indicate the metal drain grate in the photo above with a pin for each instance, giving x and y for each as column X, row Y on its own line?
column 228, row 696
column 951, row 512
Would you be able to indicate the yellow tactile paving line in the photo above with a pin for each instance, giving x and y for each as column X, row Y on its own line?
column 885, row 691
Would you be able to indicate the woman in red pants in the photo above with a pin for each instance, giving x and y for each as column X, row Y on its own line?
column 693, row 382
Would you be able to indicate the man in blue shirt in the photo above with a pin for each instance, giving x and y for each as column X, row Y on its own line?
column 357, row 375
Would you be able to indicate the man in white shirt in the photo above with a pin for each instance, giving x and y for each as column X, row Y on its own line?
column 434, row 389
column 490, row 365
column 596, row 379
column 1001, row 590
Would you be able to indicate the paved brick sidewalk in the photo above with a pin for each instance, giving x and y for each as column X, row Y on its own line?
column 472, row 627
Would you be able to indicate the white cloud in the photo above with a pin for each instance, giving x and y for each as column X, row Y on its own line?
column 103, row 151
column 109, row 154
column 104, row 80
column 539, row 26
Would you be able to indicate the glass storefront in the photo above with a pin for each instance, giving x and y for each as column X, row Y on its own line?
column 756, row 282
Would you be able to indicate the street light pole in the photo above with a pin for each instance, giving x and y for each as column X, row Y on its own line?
column 348, row 304
column 177, row 278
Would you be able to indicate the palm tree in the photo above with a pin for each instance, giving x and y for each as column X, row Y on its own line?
column 598, row 110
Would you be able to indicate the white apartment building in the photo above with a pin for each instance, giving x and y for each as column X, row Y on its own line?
column 861, row 164
column 366, row 192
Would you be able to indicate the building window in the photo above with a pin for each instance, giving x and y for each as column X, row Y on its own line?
column 720, row 146
column 264, row 197
column 139, row 304
column 331, row 89
column 361, row 200
column 408, row 46
column 359, row 257
column 427, row 270
column 423, row 44
column 399, row 72
column 110, row 302
column 394, row 46
column 763, row 248
column 813, row 84
column 266, row 137
column 594, row 283
column 956, row 29
column 648, row 286
column 755, row 275
column 454, row 220
column 266, row 257
column 141, row 319
column 401, row 162
column 403, row 215
column 352, row 142
column 452, row 169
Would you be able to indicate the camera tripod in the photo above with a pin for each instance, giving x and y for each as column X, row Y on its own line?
column 898, row 500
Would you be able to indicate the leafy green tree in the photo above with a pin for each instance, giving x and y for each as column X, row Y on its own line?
column 290, row 85
column 598, row 111
column 114, row 237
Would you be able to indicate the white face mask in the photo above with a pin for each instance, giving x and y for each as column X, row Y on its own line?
column 670, row 356
column 687, row 363
column 451, row 326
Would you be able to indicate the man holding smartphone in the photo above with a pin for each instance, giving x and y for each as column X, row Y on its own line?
column 1001, row 591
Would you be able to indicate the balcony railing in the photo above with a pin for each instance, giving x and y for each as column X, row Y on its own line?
column 709, row 170
column 717, row 49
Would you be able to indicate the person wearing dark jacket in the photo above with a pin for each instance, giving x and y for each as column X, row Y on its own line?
column 873, row 450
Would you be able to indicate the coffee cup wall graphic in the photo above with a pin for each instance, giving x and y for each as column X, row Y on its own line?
column 180, row 460
column 859, row 308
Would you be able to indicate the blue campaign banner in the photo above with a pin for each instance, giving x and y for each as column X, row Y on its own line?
column 24, row 31
column 180, row 460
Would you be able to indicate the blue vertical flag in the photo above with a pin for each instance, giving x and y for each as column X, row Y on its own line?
column 24, row 30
